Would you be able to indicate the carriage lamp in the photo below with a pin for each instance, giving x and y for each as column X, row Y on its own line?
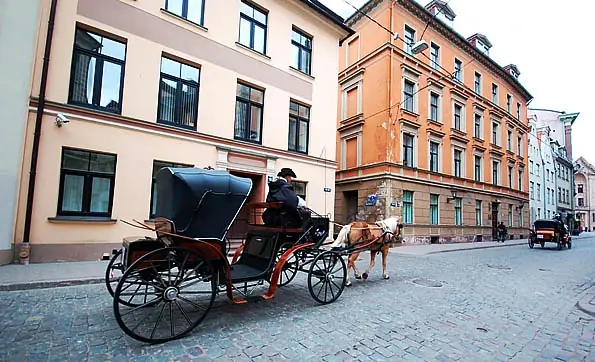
column 454, row 196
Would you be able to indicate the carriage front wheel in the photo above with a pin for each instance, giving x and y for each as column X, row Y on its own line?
column 184, row 284
column 327, row 277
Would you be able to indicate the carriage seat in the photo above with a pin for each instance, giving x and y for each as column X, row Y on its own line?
column 275, row 218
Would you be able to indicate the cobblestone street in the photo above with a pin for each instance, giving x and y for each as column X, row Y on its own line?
column 511, row 303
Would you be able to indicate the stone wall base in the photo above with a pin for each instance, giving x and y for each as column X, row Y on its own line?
column 6, row 256
column 44, row 253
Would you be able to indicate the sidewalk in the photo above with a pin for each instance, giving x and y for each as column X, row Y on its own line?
column 427, row 249
column 587, row 302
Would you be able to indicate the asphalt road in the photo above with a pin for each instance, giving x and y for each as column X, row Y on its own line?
column 511, row 303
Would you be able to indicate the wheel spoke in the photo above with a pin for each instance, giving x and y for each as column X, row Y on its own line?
column 171, row 319
column 134, row 293
column 181, row 268
column 140, row 306
column 183, row 313
column 158, row 320
column 191, row 303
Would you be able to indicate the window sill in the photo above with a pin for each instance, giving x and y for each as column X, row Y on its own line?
column 410, row 113
column 253, row 142
column 178, row 17
column 300, row 73
column 436, row 122
column 242, row 46
column 82, row 219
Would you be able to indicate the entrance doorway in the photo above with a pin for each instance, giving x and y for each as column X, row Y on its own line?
column 240, row 226
column 350, row 206
column 495, row 220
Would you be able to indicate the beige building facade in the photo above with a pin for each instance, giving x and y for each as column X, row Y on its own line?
column 237, row 85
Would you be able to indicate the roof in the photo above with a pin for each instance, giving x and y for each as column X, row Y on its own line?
column 481, row 37
column 562, row 116
column 329, row 15
column 455, row 37
column 584, row 164
column 444, row 8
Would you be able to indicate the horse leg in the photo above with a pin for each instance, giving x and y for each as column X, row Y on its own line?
column 372, row 263
column 352, row 260
column 384, row 257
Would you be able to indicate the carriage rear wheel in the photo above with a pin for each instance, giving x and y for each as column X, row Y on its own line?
column 185, row 286
column 290, row 268
column 327, row 277
column 114, row 272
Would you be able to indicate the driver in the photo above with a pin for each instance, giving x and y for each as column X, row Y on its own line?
column 294, row 211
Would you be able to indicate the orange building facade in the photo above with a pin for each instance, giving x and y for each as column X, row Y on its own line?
column 438, row 138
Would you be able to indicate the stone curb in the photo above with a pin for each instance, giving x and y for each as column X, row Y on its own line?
column 479, row 247
column 50, row 284
column 587, row 303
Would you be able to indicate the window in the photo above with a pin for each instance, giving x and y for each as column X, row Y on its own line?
column 477, row 83
column 300, row 188
column 457, row 162
column 478, row 212
column 509, row 215
column 433, row 209
column 580, row 188
column 434, row 106
column 531, row 167
column 477, row 168
column 409, row 38
column 435, row 56
column 86, row 183
column 495, row 166
column 581, row 201
column 477, row 126
column 458, row 211
column 548, row 196
column 509, row 140
column 509, row 176
column 509, row 103
column 531, row 191
column 495, row 130
column 408, row 92
column 518, row 110
column 520, row 184
column 408, row 207
column 559, row 194
column 519, row 145
column 299, row 121
column 408, row 150
column 521, row 218
column 494, row 93
column 458, row 70
column 538, row 192
column 433, row 156
column 191, row 10
column 157, row 166
column 567, row 196
column 178, row 94
column 458, row 112
column 97, row 73
column 249, row 105
column 301, row 51
column 253, row 27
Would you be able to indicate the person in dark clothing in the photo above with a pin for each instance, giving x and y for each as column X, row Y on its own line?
column 501, row 231
column 293, row 213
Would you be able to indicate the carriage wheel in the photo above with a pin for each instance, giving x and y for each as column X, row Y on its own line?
column 531, row 244
column 185, row 285
column 327, row 277
column 114, row 272
column 290, row 268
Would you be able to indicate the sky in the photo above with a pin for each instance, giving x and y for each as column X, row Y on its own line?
column 547, row 40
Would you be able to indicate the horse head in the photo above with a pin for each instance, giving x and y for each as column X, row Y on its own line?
column 392, row 225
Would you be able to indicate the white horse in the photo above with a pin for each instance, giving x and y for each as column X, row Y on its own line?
column 370, row 236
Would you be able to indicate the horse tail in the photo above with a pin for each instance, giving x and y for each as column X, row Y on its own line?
column 343, row 237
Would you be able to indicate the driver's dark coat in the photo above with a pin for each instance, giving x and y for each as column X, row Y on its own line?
column 282, row 191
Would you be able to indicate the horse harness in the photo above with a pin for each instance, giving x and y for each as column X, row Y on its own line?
column 385, row 230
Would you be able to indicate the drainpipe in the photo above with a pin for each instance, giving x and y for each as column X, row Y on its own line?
column 37, row 130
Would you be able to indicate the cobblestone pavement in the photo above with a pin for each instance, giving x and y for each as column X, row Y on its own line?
column 500, row 304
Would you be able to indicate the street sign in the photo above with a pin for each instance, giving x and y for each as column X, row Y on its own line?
column 327, row 189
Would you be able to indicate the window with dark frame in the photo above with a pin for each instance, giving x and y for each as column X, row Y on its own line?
column 495, row 172
column 434, row 156
column 518, row 111
column 478, row 212
column 457, row 161
column 86, row 183
column 434, row 106
column 520, row 182
column 509, row 103
column 458, row 70
column 178, row 94
column 580, row 188
column 408, row 207
column 458, row 211
column 407, row 150
column 458, row 112
column 435, row 56
column 494, row 93
column 509, row 215
column 299, row 127
column 477, row 126
column 300, row 188
column 301, row 51
column 477, row 175
column 510, row 170
column 249, row 109
column 510, row 140
column 495, row 129
column 157, row 166
column 409, row 38
column 519, row 145
column 191, row 10
column 253, row 27
column 433, row 209
column 97, row 73
column 408, row 92
column 477, row 83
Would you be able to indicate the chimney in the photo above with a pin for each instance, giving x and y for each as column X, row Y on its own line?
column 481, row 42
column 440, row 10
column 512, row 70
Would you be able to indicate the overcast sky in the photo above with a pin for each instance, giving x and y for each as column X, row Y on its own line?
column 548, row 41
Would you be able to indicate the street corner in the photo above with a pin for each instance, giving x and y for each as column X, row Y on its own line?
column 587, row 302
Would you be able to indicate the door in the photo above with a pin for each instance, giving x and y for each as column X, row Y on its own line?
column 350, row 206
column 494, row 221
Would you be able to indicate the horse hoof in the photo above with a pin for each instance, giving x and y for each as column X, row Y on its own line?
column 358, row 277
column 385, row 276
column 348, row 284
column 365, row 276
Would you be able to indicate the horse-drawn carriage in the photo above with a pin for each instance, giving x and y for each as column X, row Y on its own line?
column 550, row 231
column 168, row 283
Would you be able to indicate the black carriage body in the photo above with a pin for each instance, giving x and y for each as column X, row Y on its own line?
column 545, row 224
column 202, row 204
